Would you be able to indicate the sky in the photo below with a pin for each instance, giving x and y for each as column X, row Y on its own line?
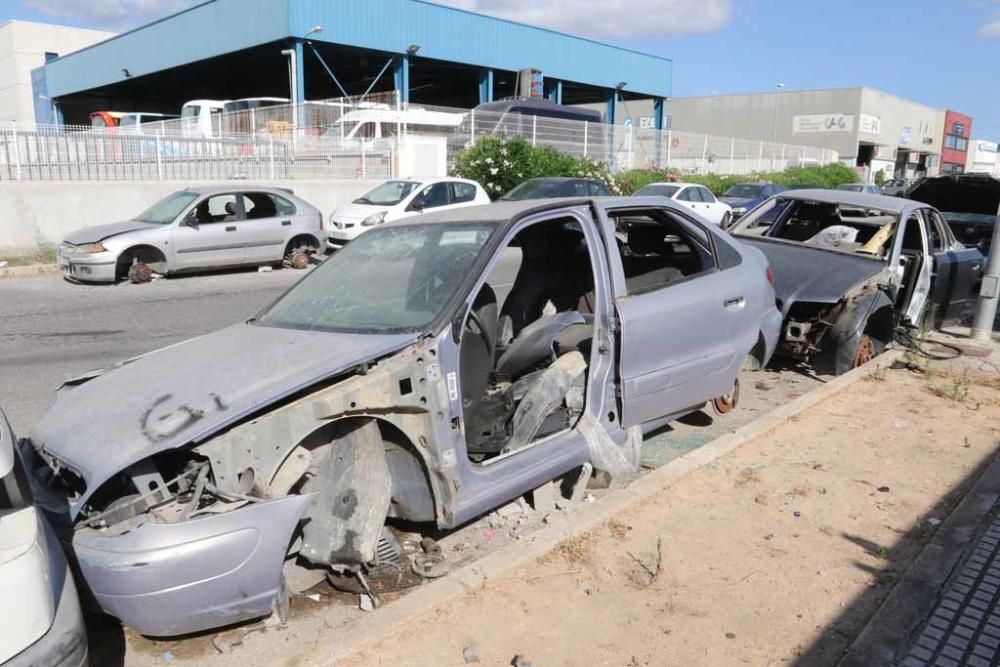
column 943, row 53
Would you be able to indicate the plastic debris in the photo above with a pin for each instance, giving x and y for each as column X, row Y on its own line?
column 470, row 655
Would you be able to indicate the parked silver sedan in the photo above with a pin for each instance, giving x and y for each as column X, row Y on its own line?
column 196, row 229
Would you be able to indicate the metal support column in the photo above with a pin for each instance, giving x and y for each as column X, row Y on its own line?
column 300, row 82
column 554, row 90
column 485, row 86
column 401, row 75
column 658, row 116
column 609, row 118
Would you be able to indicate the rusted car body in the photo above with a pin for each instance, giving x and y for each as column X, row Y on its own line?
column 852, row 268
column 470, row 357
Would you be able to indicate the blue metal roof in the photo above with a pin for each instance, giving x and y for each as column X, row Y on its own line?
column 217, row 27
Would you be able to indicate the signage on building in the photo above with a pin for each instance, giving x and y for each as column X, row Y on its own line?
column 870, row 124
column 822, row 122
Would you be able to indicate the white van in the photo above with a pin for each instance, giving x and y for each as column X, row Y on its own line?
column 364, row 126
column 202, row 118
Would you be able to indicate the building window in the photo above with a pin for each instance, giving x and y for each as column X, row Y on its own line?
column 50, row 56
column 956, row 143
column 958, row 128
column 951, row 168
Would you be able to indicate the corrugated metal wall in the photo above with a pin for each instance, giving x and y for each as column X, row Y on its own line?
column 223, row 26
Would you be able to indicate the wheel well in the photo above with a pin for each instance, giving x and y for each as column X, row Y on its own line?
column 758, row 351
column 881, row 325
column 412, row 492
column 302, row 240
column 146, row 254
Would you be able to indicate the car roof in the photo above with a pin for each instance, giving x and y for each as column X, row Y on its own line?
column 558, row 179
column 238, row 187
column 504, row 210
column 856, row 199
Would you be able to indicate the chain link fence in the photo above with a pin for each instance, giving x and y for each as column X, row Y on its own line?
column 373, row 137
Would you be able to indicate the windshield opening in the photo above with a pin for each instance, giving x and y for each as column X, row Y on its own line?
column 394, row 279
column 744, row 191
column 657, row 190
column 826, row 225
column 167, row 209
column 190, row 111
column 389, row 193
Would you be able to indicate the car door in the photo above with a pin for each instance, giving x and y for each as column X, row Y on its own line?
column 432, row 198
column 210, row 234
column 689, row 198
column 267, row 226
column 956, row 275
column 912, row 262
column 461, row 194
column 678, row 348
column 714, row 209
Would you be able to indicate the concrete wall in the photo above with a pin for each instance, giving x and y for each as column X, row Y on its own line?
column 36, row 214
column 22, row 48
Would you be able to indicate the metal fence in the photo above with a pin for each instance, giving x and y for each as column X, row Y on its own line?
column 369, row 138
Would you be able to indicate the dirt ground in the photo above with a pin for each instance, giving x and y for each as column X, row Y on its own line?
column 778, row 553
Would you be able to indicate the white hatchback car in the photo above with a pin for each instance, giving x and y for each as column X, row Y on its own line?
column 696, row 197
column 401, row 198
column 42, row 620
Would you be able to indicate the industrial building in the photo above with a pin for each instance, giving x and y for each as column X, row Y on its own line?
column 26, row 46
column 431, row 54
column 870, row 129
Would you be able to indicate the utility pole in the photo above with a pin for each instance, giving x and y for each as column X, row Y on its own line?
column 989, row 293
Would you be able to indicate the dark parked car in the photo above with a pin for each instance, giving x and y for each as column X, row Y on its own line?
column 850, row 268
column 547, row 188
column 742, row 197
column 895, row 187
column 969, row 202
column 203, row 480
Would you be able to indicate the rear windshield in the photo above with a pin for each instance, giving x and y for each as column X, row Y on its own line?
column 534, row 189
column 744, row 191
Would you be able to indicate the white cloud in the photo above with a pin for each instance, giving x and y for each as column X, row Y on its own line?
column 108, row 14
column 609, row 18
column 991, row 29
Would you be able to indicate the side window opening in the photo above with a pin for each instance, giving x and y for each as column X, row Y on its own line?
column 525, row 344
column 935, row 231
column 462, row 192
column 218, row 208
column 656, row 249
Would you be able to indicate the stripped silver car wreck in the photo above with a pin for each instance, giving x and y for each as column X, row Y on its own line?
column 432, row 370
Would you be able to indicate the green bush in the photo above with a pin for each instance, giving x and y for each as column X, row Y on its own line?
column 827, row 176
column 499, row 163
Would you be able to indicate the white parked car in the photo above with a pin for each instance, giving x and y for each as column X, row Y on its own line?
column 42, row 622
column 401, row 198
column 696, row 197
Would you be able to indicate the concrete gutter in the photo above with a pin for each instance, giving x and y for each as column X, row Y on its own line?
column 382, row 623
column 30, row 271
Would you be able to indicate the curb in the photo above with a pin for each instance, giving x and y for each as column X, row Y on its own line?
column 890, row 631
column 29, row 271
column 390, row 619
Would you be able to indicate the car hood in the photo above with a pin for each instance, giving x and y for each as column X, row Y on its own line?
column 964, row 193
column 356, row 212
column 101, row 232
column 738, row 201
column 187, row 392
column 803, row 274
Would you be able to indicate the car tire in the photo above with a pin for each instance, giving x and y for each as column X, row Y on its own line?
column 727, row 219
column 140, row 273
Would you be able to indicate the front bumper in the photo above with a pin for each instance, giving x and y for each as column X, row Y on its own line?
column 65, row 643
column 172, row 579
column 94, row 268
column 338, row 238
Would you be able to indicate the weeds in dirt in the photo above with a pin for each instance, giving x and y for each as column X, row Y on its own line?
column 801, row 491
column 618, row 529
column 954, row 388
column 575, row 550
column 761, row 499
column 746, row 477
column 44, row 255
column 877, row 374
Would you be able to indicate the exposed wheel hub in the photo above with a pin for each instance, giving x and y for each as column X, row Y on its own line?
column 865, row 351
column 727, row 402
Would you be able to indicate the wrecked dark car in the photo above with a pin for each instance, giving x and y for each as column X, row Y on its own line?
column 851, row 268
column 969, row 202
column 432, row 370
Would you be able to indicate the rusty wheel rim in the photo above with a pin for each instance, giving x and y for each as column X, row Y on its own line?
column 300, row 260
column 726, row 403
column 865, row 351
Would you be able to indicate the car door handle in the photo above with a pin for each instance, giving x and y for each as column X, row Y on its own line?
column 736, row 303
column 231, row 229
column 286, row 223
column 977, row 266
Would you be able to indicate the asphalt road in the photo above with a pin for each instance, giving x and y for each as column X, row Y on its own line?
column 51, row 330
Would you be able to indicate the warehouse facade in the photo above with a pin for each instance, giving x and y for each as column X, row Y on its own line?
column 431, row 54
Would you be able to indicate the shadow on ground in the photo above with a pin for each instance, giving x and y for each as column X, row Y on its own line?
column 836, row 638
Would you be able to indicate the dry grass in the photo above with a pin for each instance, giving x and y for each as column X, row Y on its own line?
column 746, row 477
